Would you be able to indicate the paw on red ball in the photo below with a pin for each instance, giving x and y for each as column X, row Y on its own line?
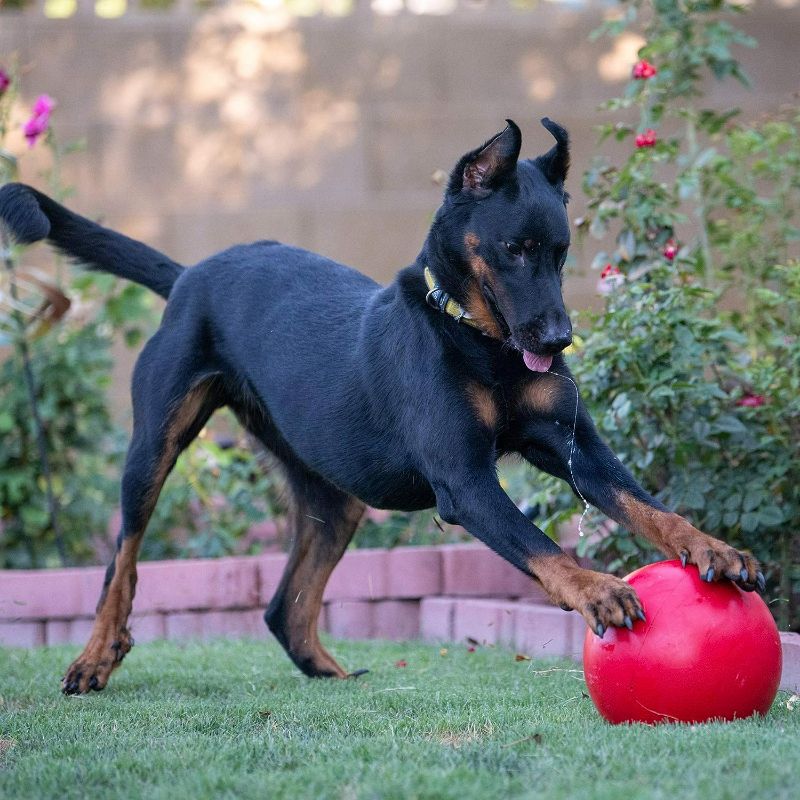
column 706, row 651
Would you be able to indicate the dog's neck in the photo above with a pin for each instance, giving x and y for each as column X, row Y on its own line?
column 439, row 299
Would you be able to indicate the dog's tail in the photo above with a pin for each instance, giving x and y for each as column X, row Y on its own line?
column 30, row 216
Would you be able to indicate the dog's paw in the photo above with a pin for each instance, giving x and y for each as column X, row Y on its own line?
column 604, row 602
column 718, row 561
column 90, row 671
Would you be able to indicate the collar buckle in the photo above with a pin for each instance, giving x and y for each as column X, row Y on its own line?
column 438, row 298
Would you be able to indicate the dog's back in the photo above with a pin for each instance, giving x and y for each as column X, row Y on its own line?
column 316, row 342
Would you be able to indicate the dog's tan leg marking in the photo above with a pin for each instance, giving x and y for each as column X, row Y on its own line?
column 678, row 538
column 320, row 539
column 601, row 599
column 110, row 639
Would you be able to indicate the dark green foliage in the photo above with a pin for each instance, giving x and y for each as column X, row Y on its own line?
column 692, row 370
column 215, row 495
column 71, row 368
column 210, row 501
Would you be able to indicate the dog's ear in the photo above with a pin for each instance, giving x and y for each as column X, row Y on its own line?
column 482, row 170
column 555, row 162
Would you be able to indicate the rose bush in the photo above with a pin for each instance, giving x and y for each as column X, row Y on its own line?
column 692, row 369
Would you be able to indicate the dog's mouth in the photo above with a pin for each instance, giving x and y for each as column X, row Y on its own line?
column 494, row 307
column 536, row 363
column 533, row 362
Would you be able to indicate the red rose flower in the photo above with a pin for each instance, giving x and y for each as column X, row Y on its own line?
column 670, row 250
column 642, row 70
column 751, row 400
column 610, row 278
column 609, row 270
column 646, row 139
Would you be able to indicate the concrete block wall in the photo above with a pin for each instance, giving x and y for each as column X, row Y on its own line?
column 372, row 593
column 451, row 593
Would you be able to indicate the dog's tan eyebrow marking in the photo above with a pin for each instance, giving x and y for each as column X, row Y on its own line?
column 483, row 404
column 471, row 241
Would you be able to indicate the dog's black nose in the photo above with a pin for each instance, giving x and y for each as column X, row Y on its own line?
column 553, row 342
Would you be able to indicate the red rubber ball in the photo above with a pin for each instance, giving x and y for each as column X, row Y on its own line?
column 707, row 651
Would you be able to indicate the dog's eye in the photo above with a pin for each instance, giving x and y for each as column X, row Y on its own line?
column 513, row 248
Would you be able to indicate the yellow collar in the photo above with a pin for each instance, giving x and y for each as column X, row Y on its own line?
column 439, row 299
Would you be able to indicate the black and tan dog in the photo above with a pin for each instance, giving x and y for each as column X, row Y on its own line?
column 401, row 397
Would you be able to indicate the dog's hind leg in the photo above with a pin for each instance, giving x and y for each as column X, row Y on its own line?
column 323, row 520
column 169, row 411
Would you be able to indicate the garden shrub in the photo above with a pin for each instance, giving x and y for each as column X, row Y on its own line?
column 692, row 368
column 55, row 370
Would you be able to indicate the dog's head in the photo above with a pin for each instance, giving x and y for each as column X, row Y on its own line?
column 501, row 237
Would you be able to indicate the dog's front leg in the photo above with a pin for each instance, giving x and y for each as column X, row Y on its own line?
column 596, row 475
column 475, row 500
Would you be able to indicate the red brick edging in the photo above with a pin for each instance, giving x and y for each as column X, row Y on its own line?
column 443, row 594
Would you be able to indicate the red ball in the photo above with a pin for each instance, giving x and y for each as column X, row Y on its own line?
column 707, row 651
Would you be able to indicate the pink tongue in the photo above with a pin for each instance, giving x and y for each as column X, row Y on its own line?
column 536, row 363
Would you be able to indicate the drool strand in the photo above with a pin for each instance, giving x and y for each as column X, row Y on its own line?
column 572, row 451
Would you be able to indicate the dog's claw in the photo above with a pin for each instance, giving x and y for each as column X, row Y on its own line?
column 357, row 673
column 709, row 575
column 684, row 559
column 743, row 574
column 761, row 582
column 599, row 629
column 628, row 622
column 640, row 615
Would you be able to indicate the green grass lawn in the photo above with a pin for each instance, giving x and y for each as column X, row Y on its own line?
column 236, row 720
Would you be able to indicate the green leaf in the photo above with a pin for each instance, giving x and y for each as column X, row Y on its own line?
column 729, row 424
column 749, row 522
column 771, row 515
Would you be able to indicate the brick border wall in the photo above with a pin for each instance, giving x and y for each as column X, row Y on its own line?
column 440, row 594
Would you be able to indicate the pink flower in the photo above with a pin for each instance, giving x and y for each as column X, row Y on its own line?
column 44, row 105
column 642, row 70
column 610, row 278
column 670, row 249
column 751, row 400
column 40, row 118
column 5, row 81
column 646, row 139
